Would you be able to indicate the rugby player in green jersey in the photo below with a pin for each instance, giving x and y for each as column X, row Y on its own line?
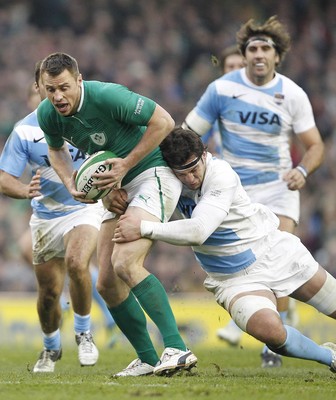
column 96, row 116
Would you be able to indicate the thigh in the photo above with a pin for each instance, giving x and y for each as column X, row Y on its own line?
column 80, row 243
column 47, row 239
column 286, row 224
column 128, row 258
column 156, row 191
column 311, row 287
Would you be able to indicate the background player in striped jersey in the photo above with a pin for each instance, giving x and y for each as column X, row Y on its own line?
column 64, row 236
column 248, row 261
column 258, row 110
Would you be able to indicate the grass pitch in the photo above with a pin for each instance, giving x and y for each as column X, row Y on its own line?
column 222, row 373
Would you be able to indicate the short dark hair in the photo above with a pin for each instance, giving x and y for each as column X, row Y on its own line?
column 56, row 63
column 272, row 28
column 228, row 51
column 180, row 145
column 37, row 71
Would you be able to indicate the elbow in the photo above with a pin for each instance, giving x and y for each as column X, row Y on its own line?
column 169, row 124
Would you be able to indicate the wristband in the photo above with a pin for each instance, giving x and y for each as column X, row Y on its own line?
column 302, row 170
column 146, row 229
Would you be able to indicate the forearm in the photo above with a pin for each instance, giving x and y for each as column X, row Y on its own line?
column 313, row 158
column 186, row 232
column 12, row 187
column 60, row 160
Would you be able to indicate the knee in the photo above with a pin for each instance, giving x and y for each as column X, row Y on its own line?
column 48, row 298
column 266, row 326
column 101, row 288
column 76, row 267
column 123, row 266
column 257, row 315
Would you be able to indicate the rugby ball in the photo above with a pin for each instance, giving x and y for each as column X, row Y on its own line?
column 94, row 164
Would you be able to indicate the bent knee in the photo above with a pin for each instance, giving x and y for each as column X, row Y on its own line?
column 125, row 264
column 246, row 306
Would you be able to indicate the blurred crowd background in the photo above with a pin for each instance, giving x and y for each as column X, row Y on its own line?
column 162, row 49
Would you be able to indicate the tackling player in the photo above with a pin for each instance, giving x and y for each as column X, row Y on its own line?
column 249, row 262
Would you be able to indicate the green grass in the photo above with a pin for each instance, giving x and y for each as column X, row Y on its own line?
column 222, row 373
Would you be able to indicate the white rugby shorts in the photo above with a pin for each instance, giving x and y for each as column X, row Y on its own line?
column 48, row 234
column 156, row 190
column 277, row 197
column 284, row 267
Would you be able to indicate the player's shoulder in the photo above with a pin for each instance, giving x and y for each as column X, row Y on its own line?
column 100, row 87
column 232, row 81
column 28, row 128
column 219, row 171
column 30, row 119
column 104, row 94
column 233, row 76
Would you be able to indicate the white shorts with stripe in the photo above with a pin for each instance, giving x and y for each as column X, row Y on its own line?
column 156, row 190
column 48, row 234
column 285, row 266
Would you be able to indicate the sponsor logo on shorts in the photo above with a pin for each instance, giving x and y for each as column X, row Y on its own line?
column 144, row 198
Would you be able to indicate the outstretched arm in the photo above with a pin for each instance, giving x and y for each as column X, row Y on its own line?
column 192, row 232
column 11, row 186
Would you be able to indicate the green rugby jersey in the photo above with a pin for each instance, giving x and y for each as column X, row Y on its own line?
column 110, row 117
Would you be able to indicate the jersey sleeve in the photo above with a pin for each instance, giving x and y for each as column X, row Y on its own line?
column 300, row 109
column 15, row 155
column 202, row 117
column 303, row 116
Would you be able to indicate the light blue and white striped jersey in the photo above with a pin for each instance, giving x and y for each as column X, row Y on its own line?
column 255, row 123
column 240, row 237
column 27, row 146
